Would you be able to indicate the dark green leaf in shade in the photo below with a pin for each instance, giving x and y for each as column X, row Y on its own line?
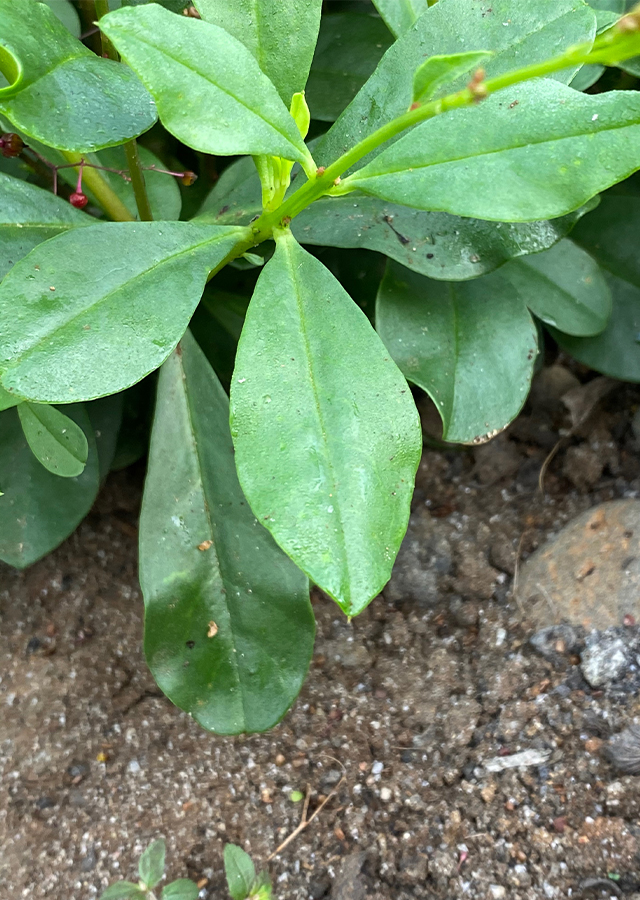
column 92, row 312
column 533, row 151
column 55, row 439
column 66, row 12
column 137, row 412
column 239, row 870
column 182, row 889
column 151, row 864
column 216, row 325
column 59, row 92
column 105, row 415
column 314, row 384
column 228, row 624
column 211, row 93
column 400, row 15
column 280, row 34
column 39, row 510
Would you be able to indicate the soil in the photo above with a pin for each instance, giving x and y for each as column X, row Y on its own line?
column 408, row 713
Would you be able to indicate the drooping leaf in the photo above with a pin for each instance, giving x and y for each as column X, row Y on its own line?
column 563, row 286
column 280, row 34
column 55, row 439
column 151, row 863
column 400, row 15
column 239, row 870
column 28, row 216
column 439, row 71
column 470, row 345
column 59, row 92
column 350, row 46
column 534, row 31
column 229, row 628
column 86, row 316
column 181, row 889
column 534, row 151
column 39, row 510
column 314, row 384
column 123, row 890
column 211, row 92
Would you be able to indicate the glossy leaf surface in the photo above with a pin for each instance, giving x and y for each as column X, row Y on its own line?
column 55, row 439
column 314, row 384
column 534, row 151
column 280, row 34
column 39, row 510
column 229, row 628
column 400, row 15
column 211, row 92
column 92, row 312
column 470, row 345
column 59, row 92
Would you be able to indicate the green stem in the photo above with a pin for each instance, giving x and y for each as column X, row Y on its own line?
column 137, row 181
column 106, row 197
column 102, row 8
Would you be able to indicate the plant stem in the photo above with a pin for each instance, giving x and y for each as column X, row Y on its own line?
column 106, row 197
column 137, row 181
column 108, row 50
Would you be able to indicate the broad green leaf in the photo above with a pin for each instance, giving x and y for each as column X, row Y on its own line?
column 7, row 400
column 93, row 311
column 229, row 628
column 28, row 216
column 280, row 34
column 55, row 439
column 182, row 889
column 400, row 15
column 105, row 415
column 239, row 870
column 350, row 46
column 210, row 91
column 175, row 6
column 151, row 864
column 534, row 151
column 236, row 196
column 438, row 71
column 59, row 92
column 519, row 33
column 610, row 235
column 65, row 11
column 123, row 890
column 563, row 286
column 39, row 510
column 314, row 384
column 470, row 345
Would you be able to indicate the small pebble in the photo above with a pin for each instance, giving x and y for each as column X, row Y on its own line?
column 377, row 768
column 385, row 794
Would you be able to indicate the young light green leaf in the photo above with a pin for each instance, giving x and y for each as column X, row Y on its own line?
column 86, row 316
column 55, row 439
column 280, row 34
column 229, row 627
column 123, row 890
column 28, row 216
column 533, row 32
column 151, row 864
column 336, row 486
column 439, row 71
column 239, row 870
column 534, row 151
column 470, row 345
column 90, row 102
column 210, row 91
column 38, row 510
column 181, row 889
column 400, row 15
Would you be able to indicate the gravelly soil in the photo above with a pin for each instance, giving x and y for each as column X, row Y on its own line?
column 406, row 705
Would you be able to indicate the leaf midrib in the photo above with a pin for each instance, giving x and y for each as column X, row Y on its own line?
column 32, row 407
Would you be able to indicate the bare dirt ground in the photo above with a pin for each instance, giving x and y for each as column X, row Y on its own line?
column 402, row 714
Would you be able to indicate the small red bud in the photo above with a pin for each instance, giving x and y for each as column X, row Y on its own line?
column 11, row 145
column 188, row 178
column 78, row 200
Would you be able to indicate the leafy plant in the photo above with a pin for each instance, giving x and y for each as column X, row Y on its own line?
column 464, row 147
column 150, row 872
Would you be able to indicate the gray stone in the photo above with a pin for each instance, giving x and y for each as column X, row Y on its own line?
column 350, row 883
column 590, row 574
column 604, row 659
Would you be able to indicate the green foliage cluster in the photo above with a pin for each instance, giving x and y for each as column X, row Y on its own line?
column 467, row 146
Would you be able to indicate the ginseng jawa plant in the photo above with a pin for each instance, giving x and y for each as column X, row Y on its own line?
column 472, row 145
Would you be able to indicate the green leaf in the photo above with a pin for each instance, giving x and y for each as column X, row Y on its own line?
column 437, row 72
column 105, row 415
column 28, row 216
column 534, row 151
column 610, row 235
column 7, row 400
column 470, row 345
column 39, row 510
column 240, row 871
column 181, row 889
column 400, row 15
column 123, row 890
column 151, row 864
column 216, row 325
column 314, row 384
column 59, row 92
column 175, row 6
column 229, row 627
column 280, row 34
column 55, row 439
column 93, row 311
column 67, row 14
column 534, row 31
column 211, row 93
column 564, row 287
column 350, row 46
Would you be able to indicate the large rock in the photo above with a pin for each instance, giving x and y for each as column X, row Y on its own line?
column 590, row 573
